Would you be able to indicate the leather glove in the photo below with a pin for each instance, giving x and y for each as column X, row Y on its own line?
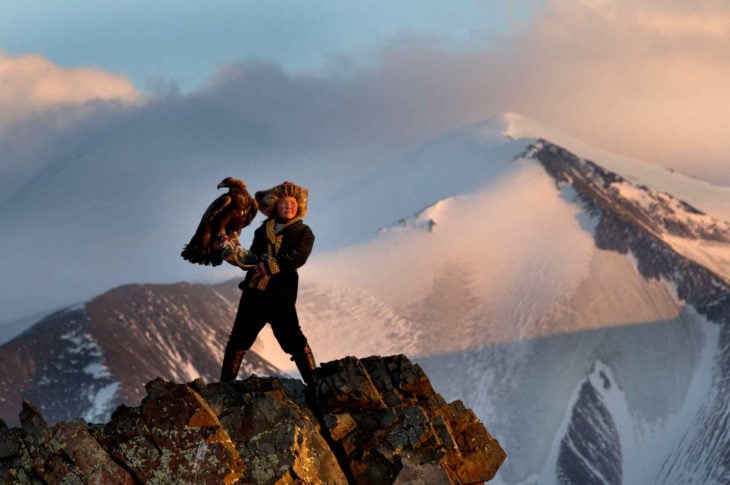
column 234, row 254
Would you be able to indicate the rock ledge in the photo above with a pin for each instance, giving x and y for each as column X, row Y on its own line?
column 363, row 421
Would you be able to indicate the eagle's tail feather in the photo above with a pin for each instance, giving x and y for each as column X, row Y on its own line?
column 195, row 255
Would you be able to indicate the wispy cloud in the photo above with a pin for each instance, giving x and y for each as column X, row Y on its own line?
column 47, row 108
column 646, row 79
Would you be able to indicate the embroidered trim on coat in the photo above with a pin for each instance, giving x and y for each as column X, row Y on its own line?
column 272, row 249
column 273, row 266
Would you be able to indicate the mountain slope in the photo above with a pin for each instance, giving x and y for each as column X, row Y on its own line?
column 553, row 265
column 85, row 360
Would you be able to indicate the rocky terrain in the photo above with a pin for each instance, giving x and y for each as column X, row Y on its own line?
column 373, row 420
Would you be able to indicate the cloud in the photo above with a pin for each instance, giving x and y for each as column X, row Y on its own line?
column 646, row 79
column 649, row 80
column 667, row 18
column 46, row 109
column 692, row 24
column 31, row 83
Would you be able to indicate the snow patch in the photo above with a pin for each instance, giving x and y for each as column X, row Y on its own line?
column 103, row 401
column 711, row 254
column 97, row 370
column 74, row 337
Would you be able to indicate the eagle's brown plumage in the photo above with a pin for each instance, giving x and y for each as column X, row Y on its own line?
column 225, row 217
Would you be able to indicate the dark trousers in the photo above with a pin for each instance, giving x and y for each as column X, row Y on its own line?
column 256, row 309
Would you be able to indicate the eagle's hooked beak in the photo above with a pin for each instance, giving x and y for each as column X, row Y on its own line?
column 222, row 185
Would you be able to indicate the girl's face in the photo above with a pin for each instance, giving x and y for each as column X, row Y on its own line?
column 286, row 208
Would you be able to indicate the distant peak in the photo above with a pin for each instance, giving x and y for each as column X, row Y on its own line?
column 518, row 126
column 509, row 120
column 508, row 124
column 425, row 219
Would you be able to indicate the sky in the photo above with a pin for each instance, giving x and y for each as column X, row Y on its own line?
column 186, row 41
column 648, row 79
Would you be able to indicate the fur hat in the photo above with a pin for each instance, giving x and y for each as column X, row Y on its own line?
column 267, row 199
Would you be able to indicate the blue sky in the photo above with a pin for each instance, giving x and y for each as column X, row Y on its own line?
column 186, row 41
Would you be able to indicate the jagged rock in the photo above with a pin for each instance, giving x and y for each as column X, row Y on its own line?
column 278, row 441
column 64, row 453
column 375, row 420
column 34, row 426
column 174, row 433
column 339, row 425
column 415, row 438
column 82, row 456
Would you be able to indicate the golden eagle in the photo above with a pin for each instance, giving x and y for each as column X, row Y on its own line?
column 224, row 218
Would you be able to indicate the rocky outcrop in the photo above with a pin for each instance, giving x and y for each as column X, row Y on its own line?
column 375, row 420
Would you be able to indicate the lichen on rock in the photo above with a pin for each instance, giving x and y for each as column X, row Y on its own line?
column 372, row 420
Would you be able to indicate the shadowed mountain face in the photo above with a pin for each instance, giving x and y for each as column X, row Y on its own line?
column 548, row 399
column 375, row 420
column 589, row 453
column 85, row 360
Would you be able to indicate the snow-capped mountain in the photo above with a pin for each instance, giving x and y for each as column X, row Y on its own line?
column 581, row 298
column 552, row 267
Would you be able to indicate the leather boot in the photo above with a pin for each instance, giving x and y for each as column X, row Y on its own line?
column 305, row 364
column 231, row 363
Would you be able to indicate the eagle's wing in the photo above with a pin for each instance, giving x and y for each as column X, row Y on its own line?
column 242, row 213
column 198, row 250
column 253, row 209
column 216, row 212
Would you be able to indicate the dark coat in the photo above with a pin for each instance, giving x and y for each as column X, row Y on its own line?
column 296, row 241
